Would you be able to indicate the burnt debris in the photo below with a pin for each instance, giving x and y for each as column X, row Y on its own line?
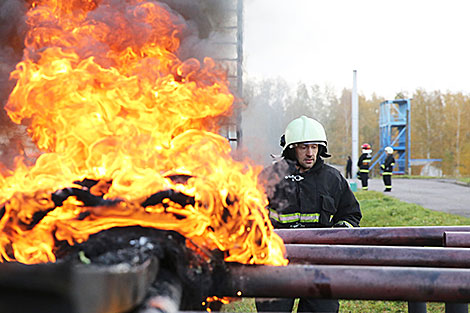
column 139, row 269
column 128, row 269
column 178, row 264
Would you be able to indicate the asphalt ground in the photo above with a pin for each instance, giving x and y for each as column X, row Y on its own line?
column 436, row 194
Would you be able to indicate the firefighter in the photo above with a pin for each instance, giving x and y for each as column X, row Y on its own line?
column 303, row 191
column 387, row 168
column 349, row 167
column 363, row 163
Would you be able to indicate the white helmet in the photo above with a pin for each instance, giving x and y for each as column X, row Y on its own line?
column 389, row 150
column 305, row 129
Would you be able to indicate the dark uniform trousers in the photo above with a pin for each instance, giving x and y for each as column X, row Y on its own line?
column 305, row 305
column 387, row 177
column 365, row 180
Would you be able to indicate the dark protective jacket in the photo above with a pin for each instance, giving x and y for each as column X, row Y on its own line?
column 320, row 197
column 388, row 164
column 349, row 165
column 364, row 162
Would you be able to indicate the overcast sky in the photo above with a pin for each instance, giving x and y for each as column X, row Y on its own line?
column 398, row 45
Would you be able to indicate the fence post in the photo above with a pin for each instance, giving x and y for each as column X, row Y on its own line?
column 417, row 307
column 456, row 307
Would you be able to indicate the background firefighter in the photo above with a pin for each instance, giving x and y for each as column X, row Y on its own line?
column 387, row 167
column 349, row 167
column 303, row 191
column 363, row 163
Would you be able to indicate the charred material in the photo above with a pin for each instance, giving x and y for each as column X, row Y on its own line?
column 393, row 236
column 185, row 277
column 165, row 296
column 174, row 196
column 89, row 195
column 118, row 270
column 172, row 272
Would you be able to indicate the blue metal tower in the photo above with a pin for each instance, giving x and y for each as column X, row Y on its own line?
column 394, row 125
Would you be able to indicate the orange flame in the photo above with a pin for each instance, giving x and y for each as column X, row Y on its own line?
column 106, row 97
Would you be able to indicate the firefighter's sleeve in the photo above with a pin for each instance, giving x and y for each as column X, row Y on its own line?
column 348, row 212
column 270, row 177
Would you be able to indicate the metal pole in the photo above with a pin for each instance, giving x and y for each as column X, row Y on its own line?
column 378, row 255
column 412, row 236
column 456, row 308
column 354, row 124
column 347, row 282
column 417, row 307
column 456, row 239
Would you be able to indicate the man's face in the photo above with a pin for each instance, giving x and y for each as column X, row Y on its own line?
column 306, row 155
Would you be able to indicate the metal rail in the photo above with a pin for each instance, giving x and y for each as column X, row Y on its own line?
column 379, row 255
column 385, row 236
column 456, row 239
column 348, row 282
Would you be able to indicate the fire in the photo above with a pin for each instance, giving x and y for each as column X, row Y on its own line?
column 107, row 98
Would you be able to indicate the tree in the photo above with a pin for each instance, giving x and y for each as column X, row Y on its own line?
column 369, row 122
column 338, row 127
column 456, row 133
column 301, row 104
column 427, row 125
column 308, row 101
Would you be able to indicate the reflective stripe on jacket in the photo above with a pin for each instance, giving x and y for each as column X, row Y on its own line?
column 295, row 217
column 364, row 162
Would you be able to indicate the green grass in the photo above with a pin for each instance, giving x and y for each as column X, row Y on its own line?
column 414, row 177
column 465, row 180
column 381, row 210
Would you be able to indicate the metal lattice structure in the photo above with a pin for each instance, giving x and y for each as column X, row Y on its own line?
column 394, row 125
column 229, row 52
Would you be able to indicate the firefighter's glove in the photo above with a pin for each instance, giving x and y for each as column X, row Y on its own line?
column 343, row 224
